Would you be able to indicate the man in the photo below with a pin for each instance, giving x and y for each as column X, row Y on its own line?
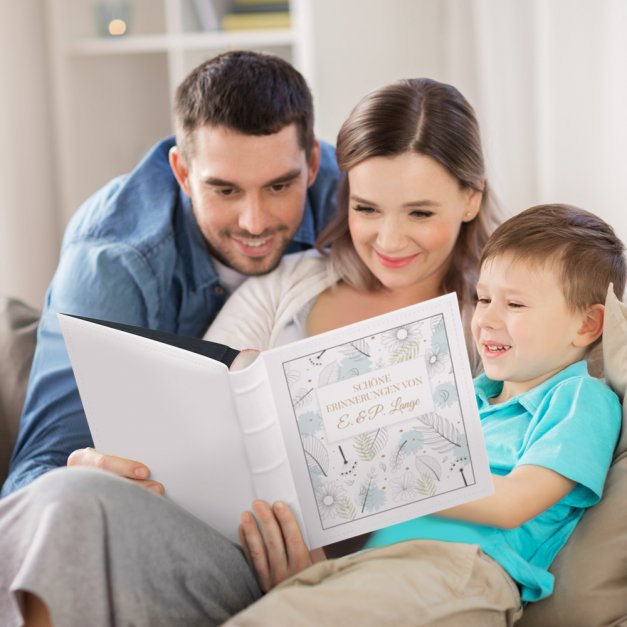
column 162, row 247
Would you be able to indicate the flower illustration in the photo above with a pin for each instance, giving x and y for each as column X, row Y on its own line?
column 401, row 337
column 436, row 360
column 404, row 487
column 328, row 497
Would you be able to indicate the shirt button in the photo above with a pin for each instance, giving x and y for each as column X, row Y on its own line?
column 218, row 289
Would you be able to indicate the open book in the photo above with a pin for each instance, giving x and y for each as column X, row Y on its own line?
column 356, row 429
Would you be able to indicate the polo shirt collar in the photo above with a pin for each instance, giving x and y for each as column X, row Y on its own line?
column 486, row 388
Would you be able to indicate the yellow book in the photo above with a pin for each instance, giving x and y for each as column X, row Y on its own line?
column 248, row 21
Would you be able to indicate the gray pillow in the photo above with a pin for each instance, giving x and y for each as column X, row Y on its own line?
column 18, row 330
column 591, row 570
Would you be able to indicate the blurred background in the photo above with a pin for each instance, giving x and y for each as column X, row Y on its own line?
column 87, row 87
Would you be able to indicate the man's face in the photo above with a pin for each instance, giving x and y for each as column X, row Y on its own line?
column 248, row 192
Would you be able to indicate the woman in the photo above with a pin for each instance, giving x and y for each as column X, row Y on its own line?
column 415, row 212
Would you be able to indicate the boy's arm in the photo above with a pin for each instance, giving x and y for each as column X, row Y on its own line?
column 519, row 496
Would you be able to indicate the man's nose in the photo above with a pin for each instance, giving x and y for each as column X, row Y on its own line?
column 253, row 217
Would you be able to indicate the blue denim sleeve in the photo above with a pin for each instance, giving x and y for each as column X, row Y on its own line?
column 100, row 280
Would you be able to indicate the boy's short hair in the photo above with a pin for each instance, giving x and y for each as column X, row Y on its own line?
column 252, row 93
column 584, row 248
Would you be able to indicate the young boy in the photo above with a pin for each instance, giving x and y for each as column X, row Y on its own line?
column 550, row 430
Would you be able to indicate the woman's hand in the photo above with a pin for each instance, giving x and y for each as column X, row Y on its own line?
column 274, row 546
column 120, row 466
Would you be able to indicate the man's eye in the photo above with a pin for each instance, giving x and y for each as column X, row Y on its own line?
column 225, row 191
column 279, row 187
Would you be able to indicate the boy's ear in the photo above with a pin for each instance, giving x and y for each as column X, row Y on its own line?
column 592, row 326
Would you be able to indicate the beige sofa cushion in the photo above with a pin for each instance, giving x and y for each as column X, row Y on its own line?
column 18, row 329
column 591, row 570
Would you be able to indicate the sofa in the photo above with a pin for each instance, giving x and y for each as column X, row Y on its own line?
column 590, row 571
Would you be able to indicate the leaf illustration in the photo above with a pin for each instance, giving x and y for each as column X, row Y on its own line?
column 292, row 374
column 345, row 508
column 404, row 352
column 367, row 445
column 429, row 466
column 302, row 397
column 357, row 349
column 329, row 374
column 441, row 434
column 316, row 454
column 425, row 485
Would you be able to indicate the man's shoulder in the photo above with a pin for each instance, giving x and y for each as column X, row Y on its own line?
column 135, row 208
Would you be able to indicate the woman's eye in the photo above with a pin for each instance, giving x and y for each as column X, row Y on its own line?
column 483, row 301
column 516, row 305
column 421, row 214
column 364, row 209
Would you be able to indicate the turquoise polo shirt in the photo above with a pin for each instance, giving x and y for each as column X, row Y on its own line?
column 570, row 424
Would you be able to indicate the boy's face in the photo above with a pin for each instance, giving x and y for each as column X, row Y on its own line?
column 522, row 326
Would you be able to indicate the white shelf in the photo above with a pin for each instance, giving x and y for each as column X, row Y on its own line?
column 219, row 40
column 113, row 95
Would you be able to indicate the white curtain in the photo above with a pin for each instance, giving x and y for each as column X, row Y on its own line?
column 29, row 231
column 550, row 78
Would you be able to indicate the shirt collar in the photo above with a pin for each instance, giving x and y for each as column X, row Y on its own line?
column 306, row 233
column 486, row 388
column 198, row 262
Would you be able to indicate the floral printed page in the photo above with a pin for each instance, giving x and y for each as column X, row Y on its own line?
column 380, row 420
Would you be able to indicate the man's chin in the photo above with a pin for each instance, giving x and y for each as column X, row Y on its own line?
column 254, row 266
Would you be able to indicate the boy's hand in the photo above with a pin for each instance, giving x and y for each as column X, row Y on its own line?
column 274, row 547
column 120, row 466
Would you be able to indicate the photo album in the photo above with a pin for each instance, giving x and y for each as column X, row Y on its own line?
column 355, row 429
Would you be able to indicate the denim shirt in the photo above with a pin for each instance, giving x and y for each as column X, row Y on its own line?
column 132, row 253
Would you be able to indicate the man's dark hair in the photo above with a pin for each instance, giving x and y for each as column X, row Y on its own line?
column 248, row 92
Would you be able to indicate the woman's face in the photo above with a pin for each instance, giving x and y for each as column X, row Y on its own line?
column 404, row 216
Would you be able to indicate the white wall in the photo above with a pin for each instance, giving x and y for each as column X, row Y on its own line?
column 29, row 233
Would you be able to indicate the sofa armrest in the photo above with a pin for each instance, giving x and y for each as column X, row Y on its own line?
column 18, row 331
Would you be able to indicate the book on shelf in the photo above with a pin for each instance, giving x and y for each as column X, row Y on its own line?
column 258, row 20
column 358, row 428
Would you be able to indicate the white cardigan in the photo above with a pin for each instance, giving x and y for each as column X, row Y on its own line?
column 257, row 314
column 260, row 311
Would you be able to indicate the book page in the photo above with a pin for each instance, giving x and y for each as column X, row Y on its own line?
column 169, row 408
column 380, row 420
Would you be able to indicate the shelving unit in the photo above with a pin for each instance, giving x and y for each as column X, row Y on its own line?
column 103, row 122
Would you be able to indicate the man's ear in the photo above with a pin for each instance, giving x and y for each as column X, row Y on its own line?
column 179, row 168
column 313, row 163
column 592, row 326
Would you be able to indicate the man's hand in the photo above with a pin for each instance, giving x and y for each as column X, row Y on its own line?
column 127, row 468
column 275, row 547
